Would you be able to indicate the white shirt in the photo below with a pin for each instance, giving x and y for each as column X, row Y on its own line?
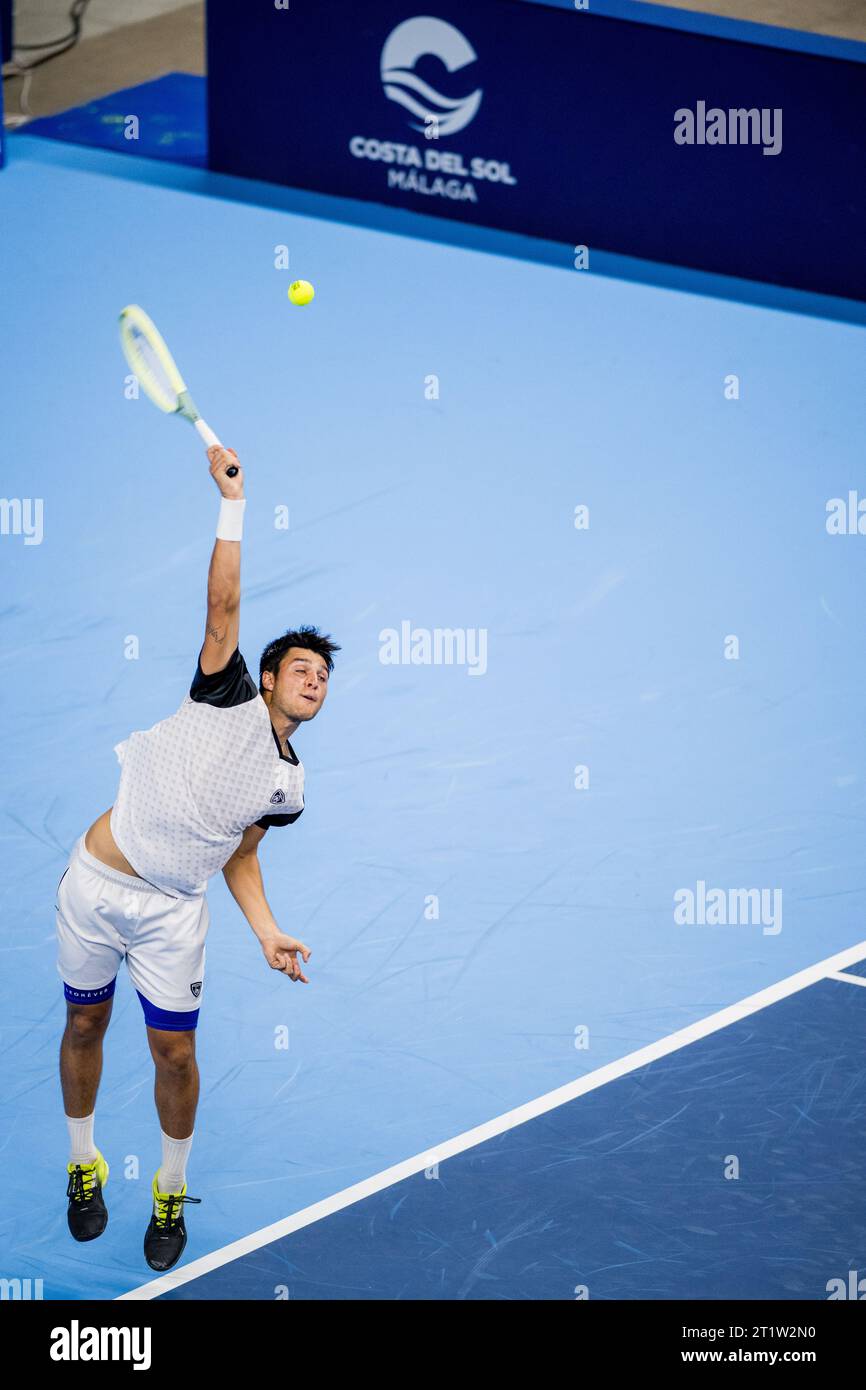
column 191, row 784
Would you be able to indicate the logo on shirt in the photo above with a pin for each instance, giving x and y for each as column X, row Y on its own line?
column 196, row 989
column 278, row 797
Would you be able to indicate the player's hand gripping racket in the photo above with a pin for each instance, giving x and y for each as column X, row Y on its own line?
column 157, row 372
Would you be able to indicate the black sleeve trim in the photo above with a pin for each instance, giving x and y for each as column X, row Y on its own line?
column 233, row 685
column 279, row 820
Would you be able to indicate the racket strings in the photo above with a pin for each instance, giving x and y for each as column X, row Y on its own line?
column 149, row 368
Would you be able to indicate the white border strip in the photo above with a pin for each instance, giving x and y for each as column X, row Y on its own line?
column 849, row 979
column 632, row 1062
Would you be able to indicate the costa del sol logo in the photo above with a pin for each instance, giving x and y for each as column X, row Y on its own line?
column 407, row 43
column 431, row 166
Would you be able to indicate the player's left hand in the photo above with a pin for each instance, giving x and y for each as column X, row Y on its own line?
column 281, row 953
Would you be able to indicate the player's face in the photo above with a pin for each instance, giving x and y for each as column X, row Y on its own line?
column 302, row 683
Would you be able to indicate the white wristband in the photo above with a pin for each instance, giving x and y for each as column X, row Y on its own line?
column 230, row 526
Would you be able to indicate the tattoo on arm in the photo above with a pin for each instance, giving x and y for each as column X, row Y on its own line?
column 218, row 635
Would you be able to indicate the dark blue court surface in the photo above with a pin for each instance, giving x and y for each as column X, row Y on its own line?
column 171, row 114
column 627, row 1192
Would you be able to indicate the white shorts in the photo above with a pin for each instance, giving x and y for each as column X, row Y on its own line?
column 105, row 917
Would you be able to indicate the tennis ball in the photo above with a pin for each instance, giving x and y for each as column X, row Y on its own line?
column 301, row 291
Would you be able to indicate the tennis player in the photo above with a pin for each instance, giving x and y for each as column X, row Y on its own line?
column 197, row 794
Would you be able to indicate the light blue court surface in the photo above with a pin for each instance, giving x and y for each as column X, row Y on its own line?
column 605, row 649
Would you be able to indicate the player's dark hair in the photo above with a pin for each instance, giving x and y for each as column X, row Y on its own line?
column 308, row 637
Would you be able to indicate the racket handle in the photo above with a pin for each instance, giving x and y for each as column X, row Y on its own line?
column 211, row 441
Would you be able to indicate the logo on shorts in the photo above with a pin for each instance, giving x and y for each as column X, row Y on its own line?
column 278, row 797
column 196, row 989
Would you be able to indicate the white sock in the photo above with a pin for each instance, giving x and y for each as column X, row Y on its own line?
column 175, row 1152
column 81, row 1146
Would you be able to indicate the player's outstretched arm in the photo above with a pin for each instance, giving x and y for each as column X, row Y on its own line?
column 224, row 574
column 243, row 875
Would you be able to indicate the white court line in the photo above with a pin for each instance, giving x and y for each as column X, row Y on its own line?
column 849, row 979
column 632, row 1062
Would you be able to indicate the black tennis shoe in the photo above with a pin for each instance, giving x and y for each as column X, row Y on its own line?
column 165, row 1237
column 87, row 1213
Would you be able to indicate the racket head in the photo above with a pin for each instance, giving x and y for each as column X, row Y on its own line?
column 149, row 358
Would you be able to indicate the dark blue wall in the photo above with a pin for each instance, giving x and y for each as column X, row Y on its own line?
column 6, row 29
column 581, row 109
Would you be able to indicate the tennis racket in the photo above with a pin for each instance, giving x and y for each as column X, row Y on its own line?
column 157, row 373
